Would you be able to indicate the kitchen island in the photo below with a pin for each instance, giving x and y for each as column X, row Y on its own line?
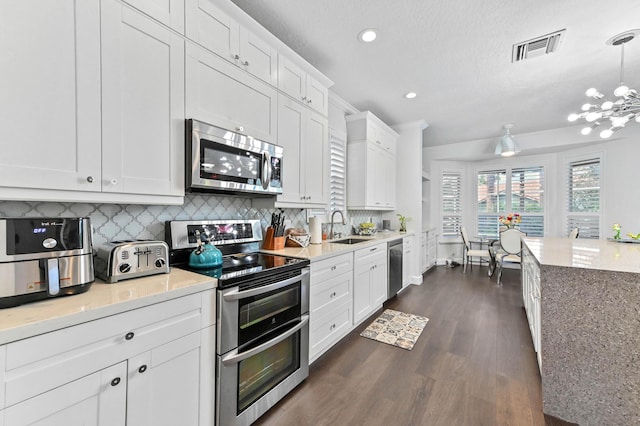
column 589, row 327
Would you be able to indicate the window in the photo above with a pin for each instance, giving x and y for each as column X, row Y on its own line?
column 527, row 199
column 337, row 181
column 583, row 197
column 492, row 186
column 451, row 204
column 518, row 190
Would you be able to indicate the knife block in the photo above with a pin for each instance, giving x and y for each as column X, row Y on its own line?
column 271, row 242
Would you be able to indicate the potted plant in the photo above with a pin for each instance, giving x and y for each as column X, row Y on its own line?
column 403, row 222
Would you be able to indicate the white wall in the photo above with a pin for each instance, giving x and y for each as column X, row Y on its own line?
column 409, row 187
column 620, row 172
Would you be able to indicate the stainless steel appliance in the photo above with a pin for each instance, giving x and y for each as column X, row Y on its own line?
column 219, row 160
column 44, row 257
column 262, row 348
column 395, row 267
column 121, row 260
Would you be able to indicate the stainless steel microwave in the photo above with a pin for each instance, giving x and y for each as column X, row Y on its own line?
column 220, row 160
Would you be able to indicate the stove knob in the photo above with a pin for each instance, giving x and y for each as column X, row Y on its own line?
column 160, row 262
column 124, row 268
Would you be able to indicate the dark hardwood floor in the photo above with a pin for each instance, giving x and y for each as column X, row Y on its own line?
column 474, row 363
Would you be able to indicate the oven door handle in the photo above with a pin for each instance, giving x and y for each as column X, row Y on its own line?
column 237, row 295
column 234, row 357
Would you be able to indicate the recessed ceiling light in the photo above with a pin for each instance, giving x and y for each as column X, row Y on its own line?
column 367, row 35
column 410, row 95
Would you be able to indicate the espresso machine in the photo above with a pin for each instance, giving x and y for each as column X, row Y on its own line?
column 42, row 258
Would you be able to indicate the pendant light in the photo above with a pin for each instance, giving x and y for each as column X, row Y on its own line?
column 507, row 146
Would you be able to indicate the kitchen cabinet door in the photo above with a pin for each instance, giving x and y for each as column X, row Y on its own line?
column 302, row 87
column 407, row 260
column 50, row 85
column 258, row 57
column 143, row 104
column 369, row 281
column 379, row 281
column 317, row 95
column 164, row 384
column 362, row 306
column 220, row 93
column 169, row 12
column 304, row 135
column 97, row 399
column 213, row 29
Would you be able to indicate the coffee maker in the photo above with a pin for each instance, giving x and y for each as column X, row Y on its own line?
column 42, row 258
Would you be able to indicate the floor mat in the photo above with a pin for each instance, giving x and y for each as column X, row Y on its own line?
column 396, row 328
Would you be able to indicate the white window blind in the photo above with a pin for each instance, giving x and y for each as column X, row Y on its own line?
column 337, row 176
column 451, row 204
column 527, row 199
column 491, row 201
column 583, row 197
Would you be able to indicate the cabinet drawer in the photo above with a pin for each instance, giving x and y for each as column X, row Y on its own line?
column 371, row 252
column 329, row 291
column 40, row 363
column 329, row 268
column 327, row 329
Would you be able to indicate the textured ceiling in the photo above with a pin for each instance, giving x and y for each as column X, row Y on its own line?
column 457, row 56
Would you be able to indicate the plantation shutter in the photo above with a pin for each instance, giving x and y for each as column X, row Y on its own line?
column 491, row 201
column 337, row 174
column 583, row 197
column 451, row 204
column 527, row 198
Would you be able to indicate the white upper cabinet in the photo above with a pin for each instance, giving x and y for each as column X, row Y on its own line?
column 50, row 85
column 215, row 30
column 168, row 12
column 219, row 93
column 142, row 104
column 371, row 159
column 304, row 135
column 301, row 86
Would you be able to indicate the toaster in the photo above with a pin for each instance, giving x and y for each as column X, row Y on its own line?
column 121, row 260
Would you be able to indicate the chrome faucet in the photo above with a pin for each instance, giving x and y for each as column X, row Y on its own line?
column 344, row 222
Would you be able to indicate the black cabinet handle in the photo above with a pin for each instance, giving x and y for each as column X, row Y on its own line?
column 129, row 335
column 115, row 382
column 142, row 369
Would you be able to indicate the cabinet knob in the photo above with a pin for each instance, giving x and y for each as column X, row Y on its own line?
column 142, row 369
column 304, row 98
column 240, row 129
column 113, row 181
column 129, row 335
column 90, row 179
column 236, row 57
column 115, row 382
column 333, row 268
column 245, row 63
column 309, row 101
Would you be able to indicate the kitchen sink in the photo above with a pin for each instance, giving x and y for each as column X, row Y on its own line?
column 350, row 241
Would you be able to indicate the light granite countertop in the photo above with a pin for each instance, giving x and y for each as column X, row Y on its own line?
column 600, row 255
column 315, row 252
column 101, row 300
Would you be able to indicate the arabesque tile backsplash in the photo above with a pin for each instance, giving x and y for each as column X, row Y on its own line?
column 133, row 221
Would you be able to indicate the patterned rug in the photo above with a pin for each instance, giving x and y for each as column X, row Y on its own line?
column 396, row 328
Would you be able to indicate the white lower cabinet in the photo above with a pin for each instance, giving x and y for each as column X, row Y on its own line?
column 330, row 302
column 423, row 253
column 531, row 299
column 431, row 249
column 370, row 278
column 97, row 399
column 152, row 365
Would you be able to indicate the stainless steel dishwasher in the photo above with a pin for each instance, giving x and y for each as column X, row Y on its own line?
column 394, row 251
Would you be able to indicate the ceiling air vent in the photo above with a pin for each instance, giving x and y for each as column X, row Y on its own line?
column 537, row 46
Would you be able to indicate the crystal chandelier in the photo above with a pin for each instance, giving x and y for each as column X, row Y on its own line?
column 618, row 112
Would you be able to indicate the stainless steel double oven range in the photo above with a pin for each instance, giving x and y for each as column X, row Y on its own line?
column 262, row 343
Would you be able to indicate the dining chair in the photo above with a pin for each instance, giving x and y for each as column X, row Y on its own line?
column 510, row 247
column 574, row 233
column 469, row 253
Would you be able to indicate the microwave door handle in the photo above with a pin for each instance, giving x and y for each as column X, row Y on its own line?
column 234, row 357
column 237, row 295
column 266, row 170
